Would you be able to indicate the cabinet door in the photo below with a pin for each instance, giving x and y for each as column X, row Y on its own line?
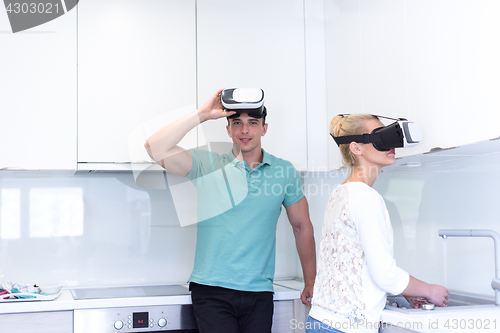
column 37, row 322
column 256, row 44
column 283, row 316
column 38, row 95
column 136, row 72
column 366, row 66
column 317, row 113
column 434, row 62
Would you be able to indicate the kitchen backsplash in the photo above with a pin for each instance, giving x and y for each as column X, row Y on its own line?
column 98, row 229
column 103, row 229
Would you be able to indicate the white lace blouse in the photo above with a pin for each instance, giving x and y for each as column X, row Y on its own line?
column 356, row 266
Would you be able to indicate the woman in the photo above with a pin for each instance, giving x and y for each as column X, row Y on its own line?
column 356, row 267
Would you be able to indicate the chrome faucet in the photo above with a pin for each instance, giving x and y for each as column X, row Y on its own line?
column 495, row 283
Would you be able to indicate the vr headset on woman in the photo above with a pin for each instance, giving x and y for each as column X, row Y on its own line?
column 400, row 134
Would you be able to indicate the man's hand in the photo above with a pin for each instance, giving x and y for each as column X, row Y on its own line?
column 213, row 109
column 307, row 294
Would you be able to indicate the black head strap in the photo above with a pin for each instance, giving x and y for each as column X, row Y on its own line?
column 254, row 113
column 395, row 119
column 362, row 138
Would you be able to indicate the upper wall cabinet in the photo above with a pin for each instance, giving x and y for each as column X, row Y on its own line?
column 136, row 73
column 434, row 62
column 38, row 95
column 259, row 44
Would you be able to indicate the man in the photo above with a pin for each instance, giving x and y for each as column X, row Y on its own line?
column 232, row 280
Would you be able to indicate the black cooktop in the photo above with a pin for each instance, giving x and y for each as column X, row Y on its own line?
column 134, row 291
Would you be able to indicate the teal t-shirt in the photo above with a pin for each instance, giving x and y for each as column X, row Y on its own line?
column 238, row 210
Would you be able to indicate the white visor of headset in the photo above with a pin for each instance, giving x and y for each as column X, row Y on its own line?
column 244, row 100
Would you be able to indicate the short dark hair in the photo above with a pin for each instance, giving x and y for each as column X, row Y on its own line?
column 263, row 118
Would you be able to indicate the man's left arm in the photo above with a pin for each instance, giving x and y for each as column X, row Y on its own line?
column 298, row 215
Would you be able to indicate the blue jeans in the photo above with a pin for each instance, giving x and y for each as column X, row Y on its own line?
column 315, row 326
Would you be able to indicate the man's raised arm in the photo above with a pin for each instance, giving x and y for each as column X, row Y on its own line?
column 162, row 146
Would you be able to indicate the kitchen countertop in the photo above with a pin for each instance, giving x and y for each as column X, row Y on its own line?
column 478, row 318
column 65, row 301
column 439, row 320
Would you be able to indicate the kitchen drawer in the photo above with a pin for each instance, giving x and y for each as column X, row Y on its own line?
column 37, row 322
column 389, row 329
column 284, row 314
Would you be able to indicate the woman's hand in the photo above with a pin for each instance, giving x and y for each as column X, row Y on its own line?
column 438, row 295
column 434, row 293
column 416, row 302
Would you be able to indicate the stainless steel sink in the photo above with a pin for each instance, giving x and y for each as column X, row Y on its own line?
column 457, row 301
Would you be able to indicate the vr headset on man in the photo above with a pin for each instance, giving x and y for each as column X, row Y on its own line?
column 400, row 134
column 244, row 100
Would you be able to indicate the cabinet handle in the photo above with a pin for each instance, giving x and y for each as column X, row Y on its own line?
column 18, row 169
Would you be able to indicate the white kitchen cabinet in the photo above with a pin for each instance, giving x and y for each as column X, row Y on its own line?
column 38, row 95
column 433, row 62
column 387, row 328
column 453, row 71
column 366, row 62
column 136, row 73
column 316, row 92
column 256, row 44
column 37, row 322
column 283, row 313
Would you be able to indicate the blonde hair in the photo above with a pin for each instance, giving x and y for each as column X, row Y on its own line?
column 353, row 124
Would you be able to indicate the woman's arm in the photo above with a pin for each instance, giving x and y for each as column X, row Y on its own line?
column 372, row 217
column 436, row 294
column 373, row 226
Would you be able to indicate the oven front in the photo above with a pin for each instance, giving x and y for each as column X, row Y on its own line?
column 158, row 318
